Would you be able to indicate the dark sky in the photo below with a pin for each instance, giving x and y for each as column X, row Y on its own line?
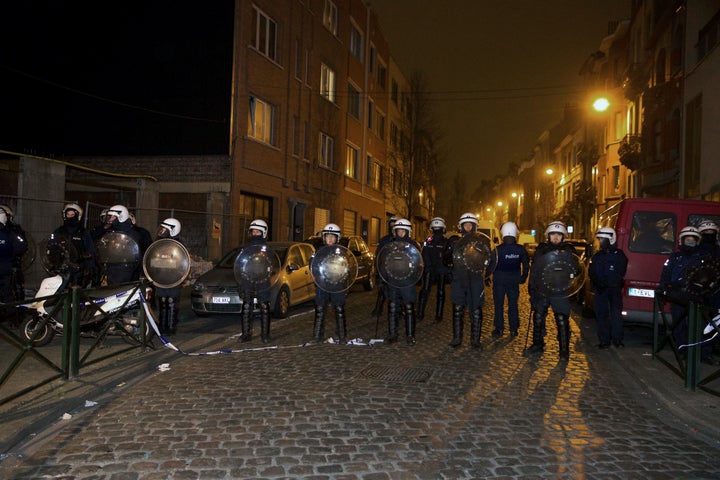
column 501, row 71
column 96, row 77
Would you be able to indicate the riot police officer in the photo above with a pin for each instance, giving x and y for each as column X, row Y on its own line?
column 709, row 237
column 402, row 297
column 258, row 236
column 73, row 229
column 436, row 271
column 555, row 235
column 467, row 289
column 11, row 246
column 381, row 285
column 509, row 269
column 607, row 270
column 118, row 221
column 168, row 298
column 18, row 276
column 330, row 236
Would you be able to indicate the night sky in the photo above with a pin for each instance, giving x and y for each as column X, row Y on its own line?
column 93, row 77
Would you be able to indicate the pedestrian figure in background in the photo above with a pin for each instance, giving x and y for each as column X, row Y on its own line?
column 402, row 297
column 542, row 300
column 168, row 299
column 509, row 269
column 467, row 289
column 73, row 229
column 607, row 270
column 436, row 271
column 331, row 236
column 258, row 236
column 382, row 286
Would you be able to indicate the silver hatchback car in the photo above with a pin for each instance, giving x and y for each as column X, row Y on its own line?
column 217, row 291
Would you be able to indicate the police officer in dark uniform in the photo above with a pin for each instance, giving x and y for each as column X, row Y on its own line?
column 467, row 289
column 258, row 236
column 509, row 269
column 18, row 276
column 331, row 236
column 381, row 285
column 118, row 219
column 402, row 297
column 709, row 237
column 11, row 246
column 168, row 298
column 436, row 271
column 555, row 233
column 607, row 270
column 73, row 229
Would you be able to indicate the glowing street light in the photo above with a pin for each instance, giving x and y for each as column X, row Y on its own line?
column 601, row 104
column 549, row 171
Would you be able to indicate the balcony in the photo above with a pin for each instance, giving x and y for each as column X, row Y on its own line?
column 630, row 152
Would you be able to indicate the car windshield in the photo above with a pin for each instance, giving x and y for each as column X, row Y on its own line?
column 228, row 261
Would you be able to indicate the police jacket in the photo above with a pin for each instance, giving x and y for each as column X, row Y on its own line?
column 432, row 253
column 81, row 240
column 607, row 268
column 11, row 246
column 676, row 267
column 511, row 260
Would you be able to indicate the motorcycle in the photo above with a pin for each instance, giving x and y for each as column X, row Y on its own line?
column 113, row 310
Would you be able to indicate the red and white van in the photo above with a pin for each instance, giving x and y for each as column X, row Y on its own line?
column 647, row 231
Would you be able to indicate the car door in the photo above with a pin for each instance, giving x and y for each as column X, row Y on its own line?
column 359, row 249
column 297, row 278
column 307, row 253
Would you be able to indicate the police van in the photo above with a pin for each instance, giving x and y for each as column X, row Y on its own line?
column 488, row 228
column 647, row 230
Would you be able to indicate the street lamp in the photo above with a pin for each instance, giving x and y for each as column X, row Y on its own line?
column 601, row 104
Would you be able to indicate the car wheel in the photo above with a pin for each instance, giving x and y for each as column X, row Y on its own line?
column 369, row 283
column 282, row 303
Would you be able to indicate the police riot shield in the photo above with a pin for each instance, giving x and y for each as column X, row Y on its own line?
column 166, row 263
column 400, row 264
column 256, row 268
column 117, row 248
column 560, row 273
column 59, row 255
column 333, row 268
column 703, row 281
column 472, row 253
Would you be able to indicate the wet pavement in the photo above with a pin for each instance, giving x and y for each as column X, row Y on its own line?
column 373, row 412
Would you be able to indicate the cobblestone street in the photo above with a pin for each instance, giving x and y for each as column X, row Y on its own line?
column 379, row 412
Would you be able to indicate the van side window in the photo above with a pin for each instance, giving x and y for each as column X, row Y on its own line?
column 653, row 232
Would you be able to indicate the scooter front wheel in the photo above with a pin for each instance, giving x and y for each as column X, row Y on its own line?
column 33, row 327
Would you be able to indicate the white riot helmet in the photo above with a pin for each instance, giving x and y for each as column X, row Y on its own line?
column 509, row 229
column 120, row 211
column 330, row 229
column 260, row 225
column 688, row 232
column 9, row 214
column 73, row 206
column 437, row 223
column 3, row 217
column 707, row 225
column 467, row 217
column 132, row 218
column 607, row 232
column 556, row 227
column 403, row 224
column 169, row 228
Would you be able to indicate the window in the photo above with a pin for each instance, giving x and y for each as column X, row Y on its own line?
column 330, row 16
column 306, row 142
column 327, row 82
column 325, row 151
column 371, row 110
column 372, row 59
column 374, row 230
column 349, row 222
column 380, row 124
column 296, row 136
column 298, row 59
column 356, row 42
column 261, row 121
column 381, row 75
column 652, row 232
column 374, row 171
column 264, row 35
column 394, row 91
column 354, row 105
column 616, row 177
column 322, row 218
column 393, row 135
column 351, row 162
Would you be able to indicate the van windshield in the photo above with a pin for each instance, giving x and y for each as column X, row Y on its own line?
column 653, row 232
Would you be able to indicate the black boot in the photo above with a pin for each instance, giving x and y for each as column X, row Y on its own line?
column 163, row 315
column 246, row 322
column 173, row 313
column 440, row 305
column 410, row 324
column 563, row 327
column 476, row 321
column 319, row 327
column 340, row 323
column 538, row 345
column 379, row 302
column 458, row 314
column 393, row 312
column 265, row 322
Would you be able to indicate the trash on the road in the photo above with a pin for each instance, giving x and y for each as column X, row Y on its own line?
column 90, row 403
column 164, row 367
column 66, row 416
column 373, row 341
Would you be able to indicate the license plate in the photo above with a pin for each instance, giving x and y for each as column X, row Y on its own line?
column 221, row 300
column 641, row 292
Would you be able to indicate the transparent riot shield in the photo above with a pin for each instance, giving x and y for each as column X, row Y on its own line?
column 117, row 248
column 166, row 263
column 400, row 264
column 256, row 268
column 333, row 268
column 561, row 273
column 703, row 281
column 472, row 254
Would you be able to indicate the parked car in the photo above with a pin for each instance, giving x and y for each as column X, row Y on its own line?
column 217, row 291
column 364, row 256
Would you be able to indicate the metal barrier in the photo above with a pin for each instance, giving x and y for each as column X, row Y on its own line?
column 686, row 366
column 74, row 303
